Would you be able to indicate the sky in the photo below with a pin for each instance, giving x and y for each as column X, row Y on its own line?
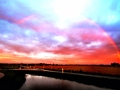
column 60, row 31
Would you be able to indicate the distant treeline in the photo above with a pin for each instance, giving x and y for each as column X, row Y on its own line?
column 44, row 64
column 115, row 64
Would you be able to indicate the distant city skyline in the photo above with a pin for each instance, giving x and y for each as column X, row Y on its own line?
column 60, row 31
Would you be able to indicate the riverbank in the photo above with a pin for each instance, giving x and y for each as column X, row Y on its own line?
column 87, row 69
column 11, row 80
column 100, row 81
column 1, row 75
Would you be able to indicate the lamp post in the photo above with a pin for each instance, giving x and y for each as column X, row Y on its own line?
column 62, row 70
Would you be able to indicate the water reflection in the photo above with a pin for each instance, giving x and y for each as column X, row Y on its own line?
column 46, row 83
column 1, row 75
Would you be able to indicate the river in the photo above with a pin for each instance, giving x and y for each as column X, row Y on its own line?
column 1, row 75
column 34, row 82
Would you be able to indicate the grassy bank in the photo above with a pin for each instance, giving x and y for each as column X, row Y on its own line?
column 11, row 80
column 87, row 69
column 85, row 79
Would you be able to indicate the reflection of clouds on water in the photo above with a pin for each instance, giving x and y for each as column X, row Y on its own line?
column 46, row 83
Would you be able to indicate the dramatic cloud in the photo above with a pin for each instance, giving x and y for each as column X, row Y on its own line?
column 60, row 31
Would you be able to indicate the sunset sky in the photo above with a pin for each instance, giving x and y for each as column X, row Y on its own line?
column 60, row 31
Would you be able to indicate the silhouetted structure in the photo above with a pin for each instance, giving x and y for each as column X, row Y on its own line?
column 114, row 64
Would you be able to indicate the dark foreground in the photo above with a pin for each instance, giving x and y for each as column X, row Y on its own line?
column 11, row 80
column 14, row 79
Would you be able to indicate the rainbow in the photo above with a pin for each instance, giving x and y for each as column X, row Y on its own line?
column 104, row 32
column 92, row 22
column 25, row 19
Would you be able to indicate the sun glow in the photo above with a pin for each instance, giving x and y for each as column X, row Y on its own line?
column 69, row 11
column 70, row 8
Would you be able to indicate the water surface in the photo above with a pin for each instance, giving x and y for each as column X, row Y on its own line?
column 1, row 75
column 34, row 82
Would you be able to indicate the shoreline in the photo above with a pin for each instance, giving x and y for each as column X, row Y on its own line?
column 11, row 80
column 1, row 75
column 99, row 81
